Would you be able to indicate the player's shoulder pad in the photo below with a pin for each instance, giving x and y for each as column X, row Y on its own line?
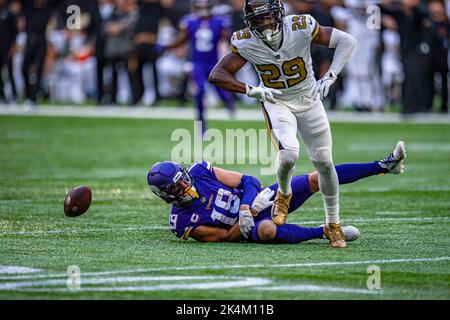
column 239, row 39
column 304, row 23
column 200, row 167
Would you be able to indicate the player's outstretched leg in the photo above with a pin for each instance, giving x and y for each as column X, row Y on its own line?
column 392, row 164
column 266, row 231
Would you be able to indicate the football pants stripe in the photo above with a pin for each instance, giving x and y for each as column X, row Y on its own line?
column 275, row 141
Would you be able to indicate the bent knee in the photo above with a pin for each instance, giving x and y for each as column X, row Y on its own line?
column 322, row 158
column 288, row 158
column 267, row 231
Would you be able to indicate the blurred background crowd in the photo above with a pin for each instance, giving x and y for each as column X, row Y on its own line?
column 114, row 55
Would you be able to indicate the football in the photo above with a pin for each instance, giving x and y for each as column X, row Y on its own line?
column 77, row 201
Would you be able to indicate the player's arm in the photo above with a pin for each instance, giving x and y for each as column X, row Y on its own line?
column 213, row 234
column 344, row 45
column 249, row 185
column 223, row 76
column 223, row 73
column 339, row 40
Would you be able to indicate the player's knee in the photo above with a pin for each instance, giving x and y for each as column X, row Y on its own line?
column 322, row 160
column 267, row 231
column 288, row 158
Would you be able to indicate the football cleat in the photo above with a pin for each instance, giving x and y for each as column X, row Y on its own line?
column 280, row 208
column 351, row 233
column 333, row 231
column 394, row 162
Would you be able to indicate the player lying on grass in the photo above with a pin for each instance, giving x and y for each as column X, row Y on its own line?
column 216, row 205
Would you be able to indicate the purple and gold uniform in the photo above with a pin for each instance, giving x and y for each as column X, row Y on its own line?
column 218, row 205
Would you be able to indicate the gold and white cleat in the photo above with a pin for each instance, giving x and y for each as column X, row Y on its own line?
column 280, row 208
column 333, row 231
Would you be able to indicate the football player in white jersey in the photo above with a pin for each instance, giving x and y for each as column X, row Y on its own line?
column 279, row 49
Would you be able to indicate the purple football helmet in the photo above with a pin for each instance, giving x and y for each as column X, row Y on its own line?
column 172, row 182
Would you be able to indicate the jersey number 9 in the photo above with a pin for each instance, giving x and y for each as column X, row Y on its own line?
column 270, row 73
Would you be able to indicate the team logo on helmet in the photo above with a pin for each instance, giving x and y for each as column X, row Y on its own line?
column 172, row 182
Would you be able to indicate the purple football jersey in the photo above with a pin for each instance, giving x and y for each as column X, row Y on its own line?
column 218, row 205
column 204, row 35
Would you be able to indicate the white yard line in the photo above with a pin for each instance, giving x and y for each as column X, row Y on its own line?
column 227, row 282
column 374, row 220
column 398, row 212
column 242, row 266
column 316, row 288
column 76, row 231
column 17, row 270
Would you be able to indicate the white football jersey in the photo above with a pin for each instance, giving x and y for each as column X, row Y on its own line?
column 289, row 69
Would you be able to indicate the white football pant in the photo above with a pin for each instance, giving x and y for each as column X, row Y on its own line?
column 284, row 121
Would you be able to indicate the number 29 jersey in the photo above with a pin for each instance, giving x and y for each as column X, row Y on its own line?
column 289, row 69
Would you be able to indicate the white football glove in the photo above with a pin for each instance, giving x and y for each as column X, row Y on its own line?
column 246, row 222
column 261, row 93
column 323, row 85
column 262, row 200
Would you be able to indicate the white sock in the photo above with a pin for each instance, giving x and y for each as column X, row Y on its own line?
column 329, row 187
column 331, row 205
column 285, row 168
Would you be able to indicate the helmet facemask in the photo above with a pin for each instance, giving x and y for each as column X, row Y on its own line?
column 255, row 19
column 180, row 192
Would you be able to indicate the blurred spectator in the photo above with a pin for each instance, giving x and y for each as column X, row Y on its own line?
column 8, row 33
column 70, row 58
column 119, row 31
column 440, row 49
column 37, row 14
column 322, row 57
column 363, row 88
column 150, row 12
column 416, row 48
column 119, row 43
column 391, row 64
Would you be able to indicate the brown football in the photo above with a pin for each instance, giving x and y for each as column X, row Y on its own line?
column 77, row 201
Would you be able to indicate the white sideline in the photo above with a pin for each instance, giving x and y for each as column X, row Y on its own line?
column 188, row 113
column 243, row 266
column 160, row 227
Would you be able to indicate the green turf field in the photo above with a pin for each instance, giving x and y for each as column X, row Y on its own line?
column 124, row 249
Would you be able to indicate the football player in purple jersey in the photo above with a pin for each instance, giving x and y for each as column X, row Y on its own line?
column 203, row 31
column 210, row 204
